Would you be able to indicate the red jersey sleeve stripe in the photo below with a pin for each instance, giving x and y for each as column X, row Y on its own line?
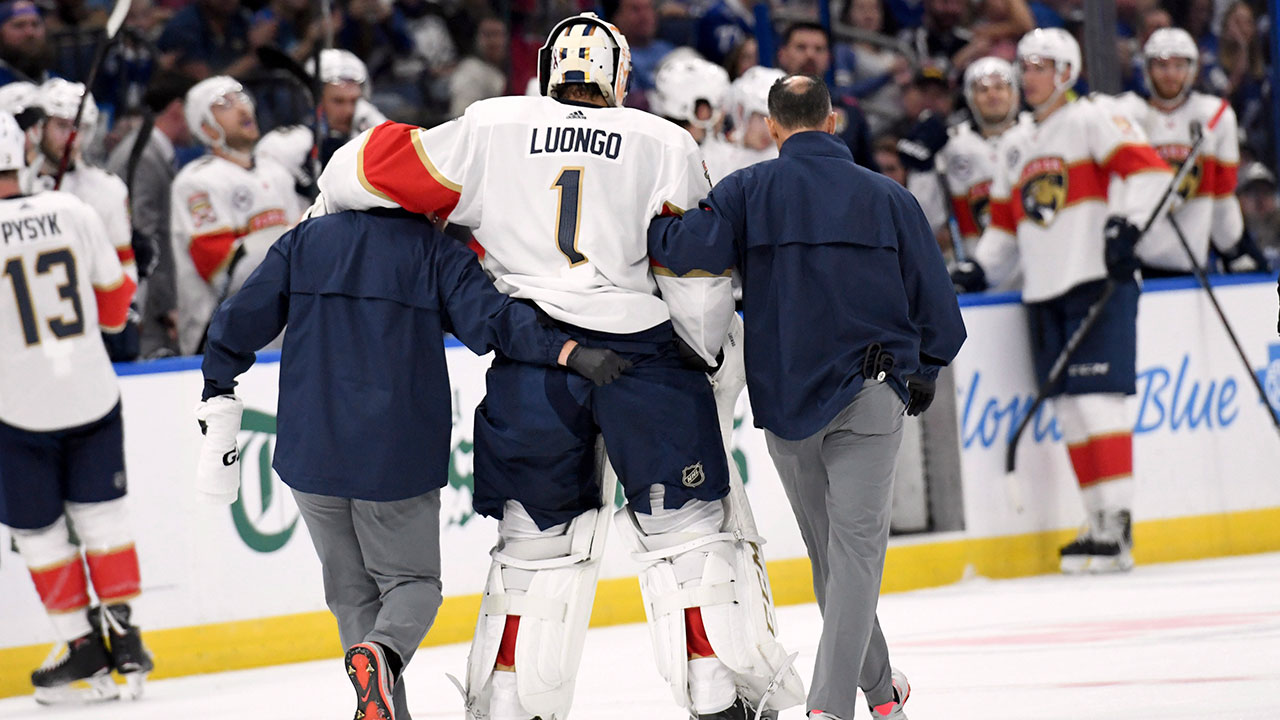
column 125, row 253
column 1220, row 178
column 211, row 251
column 113, row 303
column 1133, row 158
column 964, row 217
column 1002, row 215
column 393, row 165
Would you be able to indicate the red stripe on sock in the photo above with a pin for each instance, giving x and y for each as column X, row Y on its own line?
column 114, row 573
column 62, row 587
column 507, row 648
column 695, row 634
column 1082, row 462
column 1112, row 457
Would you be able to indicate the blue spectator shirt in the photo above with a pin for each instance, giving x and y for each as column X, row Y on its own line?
column 190, row 35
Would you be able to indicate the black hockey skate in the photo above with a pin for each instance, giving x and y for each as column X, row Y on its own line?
column 1103, row 546
column 129, row 656
column 79, row 672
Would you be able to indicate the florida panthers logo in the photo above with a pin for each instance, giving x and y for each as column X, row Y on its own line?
column 1044, row 189
column 1176, row 155
column 980, row 204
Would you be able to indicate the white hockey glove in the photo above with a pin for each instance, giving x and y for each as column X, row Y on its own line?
column 218, row 471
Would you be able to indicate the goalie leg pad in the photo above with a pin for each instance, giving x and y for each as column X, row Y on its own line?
column 691, row 561
column 546, row 578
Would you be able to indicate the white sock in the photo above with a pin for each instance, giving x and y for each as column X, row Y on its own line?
column 710, row 685
column 504, row 703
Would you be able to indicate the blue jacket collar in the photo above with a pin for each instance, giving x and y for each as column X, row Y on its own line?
column 816, row 142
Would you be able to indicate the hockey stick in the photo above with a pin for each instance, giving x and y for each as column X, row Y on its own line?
column 958, row 251
column 276, row 59
column 114, row 22
column 1095, row 310
column 1226, row 325
column 139, row 146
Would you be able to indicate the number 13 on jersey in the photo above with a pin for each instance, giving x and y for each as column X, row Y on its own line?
column 568, row 186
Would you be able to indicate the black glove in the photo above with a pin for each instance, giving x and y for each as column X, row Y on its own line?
column 124, row 345
column 1246, row 256
column 920, row 391
column 146, row 254
column 691, row 359
column 1121, row 236
column 968, row 276
column 598, row 365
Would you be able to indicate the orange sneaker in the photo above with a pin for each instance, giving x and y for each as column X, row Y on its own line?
column 367, row 669
column 893, row 710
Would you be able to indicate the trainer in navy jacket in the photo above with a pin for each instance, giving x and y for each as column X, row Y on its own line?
column 833, row 258
column 367, row 297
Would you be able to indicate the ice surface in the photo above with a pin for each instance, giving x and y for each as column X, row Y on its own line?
column 1189, row 640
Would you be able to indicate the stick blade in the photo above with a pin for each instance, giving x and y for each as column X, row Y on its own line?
column 118, row 14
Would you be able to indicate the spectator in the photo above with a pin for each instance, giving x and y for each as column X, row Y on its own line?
column 482, row 74
column 1054, row 13
column 874, row 74
column 928, row 103
column 638, row 21
column 298, row 28
column 744, row 56
column 1259, row 204
column 1242, row 78
column 24, row 52
column 149, row 181
column 885, row 151
column 377, row 32
column 216, row 36
column 806, row 50
column 999, row 25
column 943, row 33
column 723, row 28
column 1152, row 19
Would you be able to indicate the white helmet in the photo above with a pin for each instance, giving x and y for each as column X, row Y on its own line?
column 987, row 67
column 1170, row 43
column 61, row 99
column 683, row 82
column 584, row 49
column 198, row 108
column 749, row 94
column 13, row 144
column 18, row 96
column 339, row 66
column 1059, row 46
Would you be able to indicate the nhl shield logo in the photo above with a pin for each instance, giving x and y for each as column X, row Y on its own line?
column 1044, row 190
column 693, row 475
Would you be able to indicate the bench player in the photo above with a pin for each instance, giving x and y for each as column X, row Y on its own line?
column 61, row 434
column 560, row 190
column 1057, row 215
column 1173, row 112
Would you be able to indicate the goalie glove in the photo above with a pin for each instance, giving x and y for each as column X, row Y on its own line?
column 218, row 471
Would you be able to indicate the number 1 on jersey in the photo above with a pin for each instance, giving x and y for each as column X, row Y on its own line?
column 569, row 213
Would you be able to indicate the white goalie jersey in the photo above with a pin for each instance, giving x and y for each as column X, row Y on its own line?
column 560, row 197
column 1209, row 209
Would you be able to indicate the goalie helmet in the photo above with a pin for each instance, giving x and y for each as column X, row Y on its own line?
column 749, row 94
column 583, row 49
column 990, row 67
column 1170, row 43
column 60, row 99
column 13, row 144
column 683, row 82
column 1057, row 45
column 198, row 108
column 339, row 66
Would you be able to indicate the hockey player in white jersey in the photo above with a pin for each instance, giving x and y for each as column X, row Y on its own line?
column 1057, row 215
column 103, row 191
column 61, row 435
column 690, row 92
column 560, row 190
column 227, row 207
column 747, row 141
column 967, row 162
column 1172, row 116
column 344, row 111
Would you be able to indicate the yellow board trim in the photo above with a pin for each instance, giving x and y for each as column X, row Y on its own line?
column 313, row 636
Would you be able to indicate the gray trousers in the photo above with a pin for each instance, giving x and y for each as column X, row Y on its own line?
column 381, row 567
column 840, row 484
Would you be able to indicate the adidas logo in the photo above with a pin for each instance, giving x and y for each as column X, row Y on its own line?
column 577, row 115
